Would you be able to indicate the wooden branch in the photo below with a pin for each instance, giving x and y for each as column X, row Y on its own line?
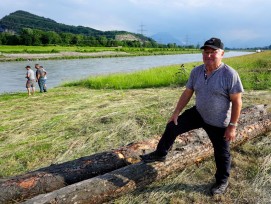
column 195, row 147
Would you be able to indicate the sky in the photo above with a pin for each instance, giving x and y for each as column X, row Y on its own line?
column 238, row 23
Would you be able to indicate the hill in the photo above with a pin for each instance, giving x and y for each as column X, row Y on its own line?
column 15, row 22
column 166, row 38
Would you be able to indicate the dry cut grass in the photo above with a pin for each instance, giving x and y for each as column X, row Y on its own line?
column 70, row 122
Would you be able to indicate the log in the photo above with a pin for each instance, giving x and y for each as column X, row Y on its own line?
column 126, row 179
column 60, row 175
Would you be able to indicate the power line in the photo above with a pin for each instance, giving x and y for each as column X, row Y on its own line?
column 142, row 30
column 187, row 40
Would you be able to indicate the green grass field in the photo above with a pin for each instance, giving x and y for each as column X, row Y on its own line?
column 254, row 70
column 58, row 48
column 72, row 121
column 49, row 49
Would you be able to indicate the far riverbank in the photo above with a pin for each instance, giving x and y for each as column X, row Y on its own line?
column 31, row 53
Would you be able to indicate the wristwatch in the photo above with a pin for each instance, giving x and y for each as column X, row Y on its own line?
column 233, row 124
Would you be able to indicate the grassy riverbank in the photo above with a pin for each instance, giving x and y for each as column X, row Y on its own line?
column 74, row 121
column 21, row 53
column 254, row 70
column 57, row 48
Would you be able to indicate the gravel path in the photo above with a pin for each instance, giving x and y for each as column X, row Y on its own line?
column 28, row 56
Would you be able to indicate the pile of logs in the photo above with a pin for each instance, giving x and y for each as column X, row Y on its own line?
column 104, row 176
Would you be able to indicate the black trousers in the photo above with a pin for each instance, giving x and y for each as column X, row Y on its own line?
column 189, row 120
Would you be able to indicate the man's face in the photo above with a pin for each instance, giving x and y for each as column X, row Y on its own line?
column 212, row 57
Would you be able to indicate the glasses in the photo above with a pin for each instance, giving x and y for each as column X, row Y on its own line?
column 210, row 52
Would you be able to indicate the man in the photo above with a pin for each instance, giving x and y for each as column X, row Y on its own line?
column 40, row 73
column 30, row 83
column 218, row 91
column 45, row 78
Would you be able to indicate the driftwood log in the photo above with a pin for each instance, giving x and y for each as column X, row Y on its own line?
column 58, row 176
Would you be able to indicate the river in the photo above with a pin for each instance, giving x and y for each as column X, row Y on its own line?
column 12, row 74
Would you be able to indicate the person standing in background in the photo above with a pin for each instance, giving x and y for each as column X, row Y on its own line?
column 45, row 79
column 40, row 77
column 30, row 83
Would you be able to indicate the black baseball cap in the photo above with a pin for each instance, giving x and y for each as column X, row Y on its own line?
column 214, row 43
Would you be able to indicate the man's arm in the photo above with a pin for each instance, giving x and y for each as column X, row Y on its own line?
column 183, row 100
column 236, row 100
column 37, row 75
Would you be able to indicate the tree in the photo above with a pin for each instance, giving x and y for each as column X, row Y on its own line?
column 74, row 40
column 3, row 39
column 36, row 38
column 12, row 40
column 66, row 38
column 80, row 40
column 26, row 36
column 92, row 41
column 54, row 38
column 102, row 40
column 50, row 37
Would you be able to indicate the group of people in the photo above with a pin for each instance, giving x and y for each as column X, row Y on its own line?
column 40, row 76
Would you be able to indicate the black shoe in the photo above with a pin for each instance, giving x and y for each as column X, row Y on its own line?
column 152, row 157
column 218, row 189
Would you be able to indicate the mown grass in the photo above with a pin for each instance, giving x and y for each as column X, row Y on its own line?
column 254, row 71
column 70, row 122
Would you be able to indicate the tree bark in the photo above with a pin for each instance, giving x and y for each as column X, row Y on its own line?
column 58, row 176
column 193, row 147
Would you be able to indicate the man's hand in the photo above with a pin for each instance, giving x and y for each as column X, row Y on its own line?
column 174, row 118
column 230, row 133
column 183, row 100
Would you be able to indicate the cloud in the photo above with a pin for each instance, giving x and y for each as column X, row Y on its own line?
column 243, row 34
column 246, row 20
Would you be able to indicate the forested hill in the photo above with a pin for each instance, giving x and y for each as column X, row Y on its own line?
column 19, row 20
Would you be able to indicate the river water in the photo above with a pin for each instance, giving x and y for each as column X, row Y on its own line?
column 12, row 74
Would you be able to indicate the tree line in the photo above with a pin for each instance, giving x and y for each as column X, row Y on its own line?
column 36, row 37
